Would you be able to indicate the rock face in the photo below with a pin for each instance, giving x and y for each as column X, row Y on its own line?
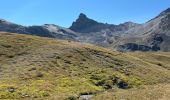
column 153, row 35
column 85, row 25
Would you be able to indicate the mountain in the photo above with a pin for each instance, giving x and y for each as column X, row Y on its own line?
column 153, row 35
column 99, row 33
column 53, row 31
column 47, row 30
column 86, row 25
column 11, row 27
column 83, row 30
column 34, row 67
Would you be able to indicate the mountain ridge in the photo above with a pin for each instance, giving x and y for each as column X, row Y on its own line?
column 117, row 37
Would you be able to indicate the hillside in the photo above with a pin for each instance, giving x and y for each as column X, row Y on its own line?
column 34, row 67
column 153, row 35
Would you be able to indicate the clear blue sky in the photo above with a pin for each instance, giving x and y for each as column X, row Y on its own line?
column 64, row 12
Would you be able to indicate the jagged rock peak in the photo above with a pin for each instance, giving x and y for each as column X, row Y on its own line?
column 82, row 15
column 83, row 18
column 83, row 23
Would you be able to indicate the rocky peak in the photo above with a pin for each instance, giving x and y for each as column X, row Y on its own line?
column 86, row 25
column 82, row 16
column 82, row 23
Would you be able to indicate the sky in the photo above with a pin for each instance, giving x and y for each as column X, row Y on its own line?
column 64, row 12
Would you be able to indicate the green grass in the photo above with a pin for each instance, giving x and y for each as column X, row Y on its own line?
column 39, row 68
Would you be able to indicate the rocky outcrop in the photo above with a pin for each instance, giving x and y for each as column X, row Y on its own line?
column 136, row 47
column 86, row 25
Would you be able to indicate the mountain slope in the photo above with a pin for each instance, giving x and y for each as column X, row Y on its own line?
column 152, row 34
column 34, row 67
column 47, row 30
column 11, row 27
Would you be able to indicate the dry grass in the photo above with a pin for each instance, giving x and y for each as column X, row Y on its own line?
column 46, row 68
column 154, row 92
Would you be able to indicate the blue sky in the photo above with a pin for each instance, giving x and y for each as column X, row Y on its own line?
column 64, row 12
